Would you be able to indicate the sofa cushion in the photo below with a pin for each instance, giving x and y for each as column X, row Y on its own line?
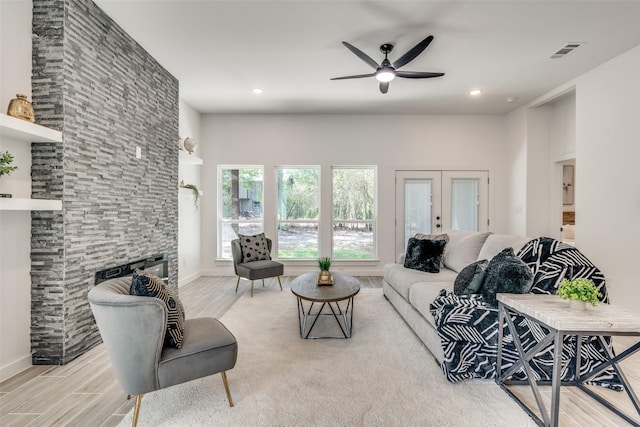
column 435, row 237
column 463, row 248
column 401, row 279
column 424, row 255
column 422, row 294
column 506, row 273
column 254, row 248
column 148, row 285
column 497, row 242
column 470, row 278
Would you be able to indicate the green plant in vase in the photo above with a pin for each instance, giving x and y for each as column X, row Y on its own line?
column 324, row 263
column 6, row 159
column 580, row 290
column 324, row 278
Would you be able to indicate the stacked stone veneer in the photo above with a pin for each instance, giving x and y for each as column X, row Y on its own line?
column 108, row 96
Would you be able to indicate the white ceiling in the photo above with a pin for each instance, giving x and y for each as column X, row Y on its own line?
column 221, row 50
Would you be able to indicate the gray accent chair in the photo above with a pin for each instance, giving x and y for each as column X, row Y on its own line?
column 255, row 269
column 133, row 330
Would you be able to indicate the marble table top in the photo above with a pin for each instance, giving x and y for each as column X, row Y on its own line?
column 554, row 311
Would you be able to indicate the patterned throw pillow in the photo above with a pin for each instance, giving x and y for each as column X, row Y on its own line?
column 148, row 285
column 254, row 248
column 444, row 237
column 424, row 255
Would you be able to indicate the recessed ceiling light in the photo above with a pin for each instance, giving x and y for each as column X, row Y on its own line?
column 475, row 92
column 257, row 91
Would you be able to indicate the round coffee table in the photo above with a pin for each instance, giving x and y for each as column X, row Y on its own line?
column 344, row 288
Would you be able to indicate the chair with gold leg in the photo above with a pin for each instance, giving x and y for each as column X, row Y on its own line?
column 253, row 269
column 133, row 329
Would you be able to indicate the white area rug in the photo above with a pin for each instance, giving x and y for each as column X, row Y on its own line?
column 382, row 376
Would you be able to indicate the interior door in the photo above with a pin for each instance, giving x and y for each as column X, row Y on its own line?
column 418, row 208
column 432, row 201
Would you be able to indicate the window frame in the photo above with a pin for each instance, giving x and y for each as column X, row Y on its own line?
column 278, row 221
column 374, row 220
column 220, row 221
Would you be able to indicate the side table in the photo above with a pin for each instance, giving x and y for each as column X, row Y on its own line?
column 554, row 314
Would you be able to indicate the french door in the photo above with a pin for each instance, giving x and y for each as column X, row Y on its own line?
column 432, row 201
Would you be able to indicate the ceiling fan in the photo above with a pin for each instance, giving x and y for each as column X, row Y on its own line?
column 387, row 71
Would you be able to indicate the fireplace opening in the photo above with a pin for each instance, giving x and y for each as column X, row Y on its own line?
column 157, row 264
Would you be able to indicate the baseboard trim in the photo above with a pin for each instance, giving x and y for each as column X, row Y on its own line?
column 296, row 271
column 15, row 367
column 189, row 278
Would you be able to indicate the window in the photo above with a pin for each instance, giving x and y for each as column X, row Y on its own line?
column 298, row 212
column 354, row 212
column 240, row 201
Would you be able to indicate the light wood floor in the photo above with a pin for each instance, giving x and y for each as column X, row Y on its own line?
column 85, row 392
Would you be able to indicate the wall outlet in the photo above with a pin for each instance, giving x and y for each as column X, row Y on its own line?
column 138, row 152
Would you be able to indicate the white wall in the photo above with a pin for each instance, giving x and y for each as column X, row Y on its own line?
column 188, row 216
column 608, row 173
column 15, row 227
column 516, row 164
column 390, row 142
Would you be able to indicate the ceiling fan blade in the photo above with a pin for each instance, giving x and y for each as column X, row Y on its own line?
column 384, row 87
column 357, row 76
column 412, row 53
column 360, row 54
column 417, row 74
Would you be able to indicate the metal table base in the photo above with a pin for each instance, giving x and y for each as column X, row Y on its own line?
column 550, row 418
column 344, row 318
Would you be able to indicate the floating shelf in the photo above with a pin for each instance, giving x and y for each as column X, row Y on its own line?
column 22, row 130
column 18, row 204
column 189, row 159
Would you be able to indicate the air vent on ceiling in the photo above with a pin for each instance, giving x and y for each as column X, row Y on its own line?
column 564, row 50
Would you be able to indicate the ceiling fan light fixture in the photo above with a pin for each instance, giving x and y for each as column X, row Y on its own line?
column 385, row 75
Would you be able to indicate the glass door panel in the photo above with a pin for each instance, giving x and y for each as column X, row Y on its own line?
column 465, row 204
column 417, row 205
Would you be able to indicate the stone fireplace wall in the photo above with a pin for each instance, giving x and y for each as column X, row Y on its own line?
column 107, row 95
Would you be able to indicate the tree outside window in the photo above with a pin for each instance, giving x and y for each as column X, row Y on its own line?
column 240, row 190
column 298, row 212
column 354, row 212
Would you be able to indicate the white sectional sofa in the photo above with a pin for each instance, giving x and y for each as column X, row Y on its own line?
column 411, row 291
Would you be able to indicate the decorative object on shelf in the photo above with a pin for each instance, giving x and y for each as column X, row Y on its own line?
column 324, row 277
column 194, row 189
column 189, row 144
column 579, row 292
column 5, row 160
column 5, row 169
column 21, row 108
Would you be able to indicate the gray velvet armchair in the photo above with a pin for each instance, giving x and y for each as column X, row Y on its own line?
column 133, row 330
column 255, row 269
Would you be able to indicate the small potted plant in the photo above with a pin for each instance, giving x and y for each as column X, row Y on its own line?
column 324, row 278
column 6, row 159
column 195, row 190
column 579, row 292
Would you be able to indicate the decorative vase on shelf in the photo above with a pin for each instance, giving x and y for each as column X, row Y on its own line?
column 21, row 108
column 189, row 144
